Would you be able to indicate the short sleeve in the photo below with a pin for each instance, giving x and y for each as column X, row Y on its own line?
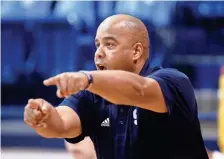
column 82, row 104
column 177, row 91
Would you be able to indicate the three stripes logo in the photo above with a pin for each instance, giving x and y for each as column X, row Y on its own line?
column 106, row 123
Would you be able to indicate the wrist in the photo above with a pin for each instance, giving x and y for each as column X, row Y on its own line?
column 89, row 80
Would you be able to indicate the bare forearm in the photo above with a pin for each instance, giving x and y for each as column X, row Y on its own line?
column 55, row 126
column 118, row 87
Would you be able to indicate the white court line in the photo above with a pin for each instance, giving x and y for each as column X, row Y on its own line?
column 14, row 153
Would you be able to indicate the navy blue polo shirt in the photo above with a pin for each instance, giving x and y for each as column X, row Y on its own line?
column 129, row 132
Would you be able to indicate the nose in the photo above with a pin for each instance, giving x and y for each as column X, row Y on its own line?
column 99, row 54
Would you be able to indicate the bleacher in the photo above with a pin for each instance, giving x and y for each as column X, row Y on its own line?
column 42, row 39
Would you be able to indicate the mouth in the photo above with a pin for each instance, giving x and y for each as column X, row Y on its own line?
column 101, row 67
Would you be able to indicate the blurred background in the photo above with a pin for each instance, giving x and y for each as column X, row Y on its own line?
column 40, row 39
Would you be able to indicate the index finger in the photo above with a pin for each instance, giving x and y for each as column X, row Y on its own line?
column 34, row 104
column 51, row 81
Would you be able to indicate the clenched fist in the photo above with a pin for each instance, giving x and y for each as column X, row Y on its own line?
column 68, row 83
column 36, row 112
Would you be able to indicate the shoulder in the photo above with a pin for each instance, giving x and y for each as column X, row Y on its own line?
column 169, row 73
column 171, row 80
column 177, row 90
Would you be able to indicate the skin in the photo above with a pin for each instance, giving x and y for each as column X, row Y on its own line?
column 209, row 154
column 122, row 48
column 117, row 39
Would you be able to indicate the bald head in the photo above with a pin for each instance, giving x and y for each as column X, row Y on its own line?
column 122, row 43
column 130, row 27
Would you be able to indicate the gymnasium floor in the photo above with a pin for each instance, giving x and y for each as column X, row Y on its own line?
column 17, row 153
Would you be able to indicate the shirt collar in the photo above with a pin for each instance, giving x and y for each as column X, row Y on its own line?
column 147, row 69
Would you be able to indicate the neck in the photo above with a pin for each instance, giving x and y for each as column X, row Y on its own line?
column 139, row 65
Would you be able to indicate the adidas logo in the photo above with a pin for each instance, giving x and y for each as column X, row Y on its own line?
column 106, row 122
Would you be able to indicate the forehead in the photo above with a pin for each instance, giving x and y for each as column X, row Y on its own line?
column 112, row 30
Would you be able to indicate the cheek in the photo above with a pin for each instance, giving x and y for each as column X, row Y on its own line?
column 112, row 55
column 123, row 62
column 119, row 59
column 128, row 56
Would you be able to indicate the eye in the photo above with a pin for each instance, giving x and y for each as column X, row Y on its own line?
column 97, row 45
column 110, row 45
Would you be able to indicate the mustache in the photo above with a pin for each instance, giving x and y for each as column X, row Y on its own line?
column 99, row 62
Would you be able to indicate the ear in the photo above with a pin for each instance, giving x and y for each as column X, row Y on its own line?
column 138, row 51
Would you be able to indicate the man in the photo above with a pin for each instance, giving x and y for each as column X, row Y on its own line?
column 215, row 154
column 127, row 108
column 221, row 111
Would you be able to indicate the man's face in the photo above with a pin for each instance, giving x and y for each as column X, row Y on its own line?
column 114, row 49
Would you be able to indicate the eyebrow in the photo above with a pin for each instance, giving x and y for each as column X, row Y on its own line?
column 108, row 38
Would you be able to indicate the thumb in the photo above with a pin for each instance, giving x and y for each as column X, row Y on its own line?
column 46, row 108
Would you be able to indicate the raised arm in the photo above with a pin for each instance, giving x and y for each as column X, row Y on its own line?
column 119, row 87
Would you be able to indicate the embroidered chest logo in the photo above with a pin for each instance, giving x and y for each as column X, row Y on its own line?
column 106, row 123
